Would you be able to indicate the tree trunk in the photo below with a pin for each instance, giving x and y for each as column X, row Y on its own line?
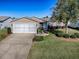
column 66, row 28
column 66, row 31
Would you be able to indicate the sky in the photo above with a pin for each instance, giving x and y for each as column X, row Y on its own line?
column 22, row 8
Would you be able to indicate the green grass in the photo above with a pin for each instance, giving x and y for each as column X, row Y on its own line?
column 3, row 33
column 54, row 48
column 70, row 31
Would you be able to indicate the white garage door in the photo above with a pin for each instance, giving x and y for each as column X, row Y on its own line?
column 24, row 28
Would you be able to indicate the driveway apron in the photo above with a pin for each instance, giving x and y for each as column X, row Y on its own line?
column 16, row 46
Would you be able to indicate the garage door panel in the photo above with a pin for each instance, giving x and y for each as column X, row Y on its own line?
column 24, row 28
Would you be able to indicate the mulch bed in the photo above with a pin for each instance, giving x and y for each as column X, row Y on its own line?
column 70, row 39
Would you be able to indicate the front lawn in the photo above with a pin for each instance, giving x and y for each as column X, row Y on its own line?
column 53, row 47
column 3, row 33
column 70, row 31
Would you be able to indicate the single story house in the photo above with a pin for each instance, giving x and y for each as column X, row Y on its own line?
column 5, row 21
column 46, row 23
column 24, row 25
column 38, row 20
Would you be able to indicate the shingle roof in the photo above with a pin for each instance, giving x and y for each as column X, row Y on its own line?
column 37, row 19
column 3, row 18
column 31, row 19
column 40, row 20
column 24, row 20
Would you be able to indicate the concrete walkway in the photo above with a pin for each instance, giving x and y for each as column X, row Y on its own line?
column 16, row 46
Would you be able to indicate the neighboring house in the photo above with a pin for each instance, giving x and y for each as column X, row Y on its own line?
column 24, row 25
column 5, row 22
column 74, row 24
column 56, row 24
column 61, row 24
column 53, row 24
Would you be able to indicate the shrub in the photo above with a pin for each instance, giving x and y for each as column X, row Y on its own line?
column 3, row 33
column 56, row 31
column 73, row 36
column 66, row 36
column 39, row 30
column 2, row 36
column 9, row 30
column 77, row 35
column 59, row 34
column 38, row 38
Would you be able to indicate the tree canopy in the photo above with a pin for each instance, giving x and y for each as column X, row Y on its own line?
column 66, row 10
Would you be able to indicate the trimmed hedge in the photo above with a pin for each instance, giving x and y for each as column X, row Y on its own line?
column 66, row 36
column 56, row 31
column 77, row 35
column 62, row 34
column 59, row 34
column 73, row 36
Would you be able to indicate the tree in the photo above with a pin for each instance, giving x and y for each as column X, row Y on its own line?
column 66, row 10
column 46, row 17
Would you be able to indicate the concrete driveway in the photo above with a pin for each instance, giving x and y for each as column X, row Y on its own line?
column 16, row 46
